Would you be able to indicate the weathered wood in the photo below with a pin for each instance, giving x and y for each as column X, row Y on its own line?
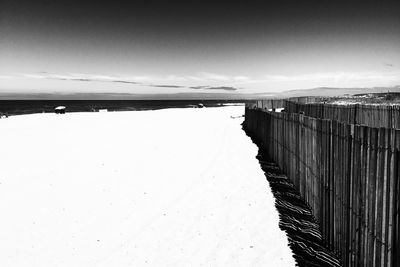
column 396, row 211
column 370, row 115
column 347, row 173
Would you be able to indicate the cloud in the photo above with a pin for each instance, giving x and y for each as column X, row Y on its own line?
column 82, row 80
column 335, row 76
column 144, row 80
column 121, row 81
column 220, row 77
column 229, row 83
column 202, row 87
column 79, row 77
column 166, row 85
column 213, row 76
column 6, row 77
column 226, row 88
column 34, row 76
column 198, row 87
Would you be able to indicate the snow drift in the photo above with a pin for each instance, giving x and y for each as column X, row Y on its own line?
column 173, row 187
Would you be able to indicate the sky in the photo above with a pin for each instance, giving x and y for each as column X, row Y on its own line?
column 167, row 47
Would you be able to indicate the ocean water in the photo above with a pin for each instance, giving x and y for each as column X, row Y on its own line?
column 18, row 107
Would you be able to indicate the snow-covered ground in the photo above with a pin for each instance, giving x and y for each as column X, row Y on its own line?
column 173, row 187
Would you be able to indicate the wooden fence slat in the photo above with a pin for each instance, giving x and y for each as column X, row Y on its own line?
column 347, row 173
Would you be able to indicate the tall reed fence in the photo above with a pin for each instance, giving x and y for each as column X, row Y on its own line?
column 348, row 174
column 362, row 114
column 282, row 103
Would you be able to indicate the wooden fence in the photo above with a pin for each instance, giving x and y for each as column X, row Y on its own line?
column 370, row 115
column 348, row 174
column 282, row 103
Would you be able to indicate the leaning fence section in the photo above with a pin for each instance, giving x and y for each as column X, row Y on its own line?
column 349, row 176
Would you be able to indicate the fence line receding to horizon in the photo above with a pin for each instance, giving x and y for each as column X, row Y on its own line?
column 346, row 172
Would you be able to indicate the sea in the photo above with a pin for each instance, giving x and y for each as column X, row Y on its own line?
column 19, row 107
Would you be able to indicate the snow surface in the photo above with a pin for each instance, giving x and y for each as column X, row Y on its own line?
column 173, row 187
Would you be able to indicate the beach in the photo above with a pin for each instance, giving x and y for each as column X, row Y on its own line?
column 170, row 187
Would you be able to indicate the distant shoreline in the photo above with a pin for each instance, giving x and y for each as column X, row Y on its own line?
column 21, row 107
